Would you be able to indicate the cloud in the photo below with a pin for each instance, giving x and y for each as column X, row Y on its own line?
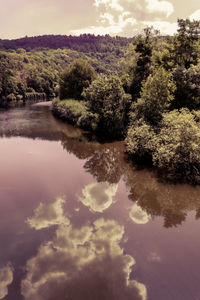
column 98, row 196
column 128, row 17
column 138, row 216
column 46, row 215
column 109, row 4
column 195, row 15
column 163, row 26
column 83, row 263
column 6, row 278
column 153, row 256
column 157, row 6
column 112, row 28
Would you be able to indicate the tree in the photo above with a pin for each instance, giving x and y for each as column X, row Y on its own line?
column 107, row 99
column 186, row 43
column 156, row 96
column 187, row 92
column 144, row 50
column 75, row 78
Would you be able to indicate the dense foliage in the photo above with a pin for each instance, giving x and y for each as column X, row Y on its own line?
column 83, row 43
column 106, row 97
column 149, row 91
column 33, row 72
column 75, row 78
column 164, row 118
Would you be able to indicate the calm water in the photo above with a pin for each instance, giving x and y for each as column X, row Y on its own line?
column 79, row 222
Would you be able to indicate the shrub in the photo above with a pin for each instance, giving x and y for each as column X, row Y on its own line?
column 178, row 146
column 140, row 140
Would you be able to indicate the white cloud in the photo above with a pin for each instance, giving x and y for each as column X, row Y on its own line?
column 195, row 15
column 6, row 278
column 83, row 263
column 128, row 17
column 107, row 17
column 112, row 4
column 138, row 216
column 163, row 26
column 164, row 7
column 114, row 28
column 98, row 196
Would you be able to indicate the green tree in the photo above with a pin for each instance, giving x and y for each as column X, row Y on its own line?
column 107, row 99
column 143, row 49
column 156, row 96
column 75, row 78
column 187, row 93
column 186, row 43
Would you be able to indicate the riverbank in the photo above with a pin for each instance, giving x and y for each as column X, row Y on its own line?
column 74, row 112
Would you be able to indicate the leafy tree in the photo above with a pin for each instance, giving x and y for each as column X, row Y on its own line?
column 107, row 99
column 75, row 78
column 186, row 43
column 187, row 93
column 142, row 70
column 163, row 54
column 156, row 96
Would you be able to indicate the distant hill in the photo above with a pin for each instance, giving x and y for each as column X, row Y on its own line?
column 30, row 67
column 83, row 43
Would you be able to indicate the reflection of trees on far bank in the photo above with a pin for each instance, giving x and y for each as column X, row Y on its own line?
column 107, row 163
column 172, row 202
column 104, row 161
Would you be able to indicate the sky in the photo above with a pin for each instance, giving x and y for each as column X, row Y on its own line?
column 19, row 18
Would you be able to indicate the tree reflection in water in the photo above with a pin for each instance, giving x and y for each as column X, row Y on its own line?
column 107, row 163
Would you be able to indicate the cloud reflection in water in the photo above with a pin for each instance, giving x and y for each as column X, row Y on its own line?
column 6, row 278
column 98, row 196
column 138, row 215
column 84, row 263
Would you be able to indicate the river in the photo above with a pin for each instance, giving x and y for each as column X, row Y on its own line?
column 78, row 221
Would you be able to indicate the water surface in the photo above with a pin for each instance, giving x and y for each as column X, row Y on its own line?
column 77, row 221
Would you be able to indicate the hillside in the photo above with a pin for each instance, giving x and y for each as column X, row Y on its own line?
column 30, row 67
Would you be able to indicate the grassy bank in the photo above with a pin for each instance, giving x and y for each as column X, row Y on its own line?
column 74, row 112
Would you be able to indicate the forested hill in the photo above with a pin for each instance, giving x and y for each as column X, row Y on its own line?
column 30, row 68
column 83, row 43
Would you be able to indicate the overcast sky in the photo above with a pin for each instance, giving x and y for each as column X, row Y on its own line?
column 115, row 17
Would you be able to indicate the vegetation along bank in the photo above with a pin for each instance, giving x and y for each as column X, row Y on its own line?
column 152, row 100
column 144, row 90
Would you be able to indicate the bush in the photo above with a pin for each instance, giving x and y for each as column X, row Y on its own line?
column 75, row 78
column 75, row 112
column 11, row 97
column 140, row 140
column 178, row 146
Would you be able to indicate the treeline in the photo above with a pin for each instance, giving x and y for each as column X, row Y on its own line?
column 34, row 74
column 153, row 102
column 83, row 43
